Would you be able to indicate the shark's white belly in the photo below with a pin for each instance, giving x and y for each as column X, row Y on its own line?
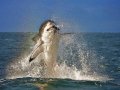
column 50, row 50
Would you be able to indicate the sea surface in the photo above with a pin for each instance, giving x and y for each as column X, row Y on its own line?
column 87, row 61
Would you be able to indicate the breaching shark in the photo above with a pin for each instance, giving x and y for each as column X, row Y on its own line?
column 46, row 42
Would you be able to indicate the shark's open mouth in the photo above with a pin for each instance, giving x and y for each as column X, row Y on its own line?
column 56, row 28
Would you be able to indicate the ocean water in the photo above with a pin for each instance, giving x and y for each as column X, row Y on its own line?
column 86, row 61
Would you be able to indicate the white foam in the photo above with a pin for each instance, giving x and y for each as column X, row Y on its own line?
column 88, row 69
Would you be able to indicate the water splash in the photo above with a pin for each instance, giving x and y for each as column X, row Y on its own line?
column 75, row 61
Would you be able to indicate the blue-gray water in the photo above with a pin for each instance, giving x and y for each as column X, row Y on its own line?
column 103, row 58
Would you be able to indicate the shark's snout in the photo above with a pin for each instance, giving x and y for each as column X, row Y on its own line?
column 56, row 28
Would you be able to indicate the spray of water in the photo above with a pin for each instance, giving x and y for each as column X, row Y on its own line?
column 75, row 61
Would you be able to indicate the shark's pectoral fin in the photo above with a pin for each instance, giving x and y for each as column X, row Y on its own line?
column 35, row 53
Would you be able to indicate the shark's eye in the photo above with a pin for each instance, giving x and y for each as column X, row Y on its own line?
column 48, row 29
column 53, row 26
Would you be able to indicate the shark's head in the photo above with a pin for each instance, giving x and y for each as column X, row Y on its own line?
column 48, row 29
